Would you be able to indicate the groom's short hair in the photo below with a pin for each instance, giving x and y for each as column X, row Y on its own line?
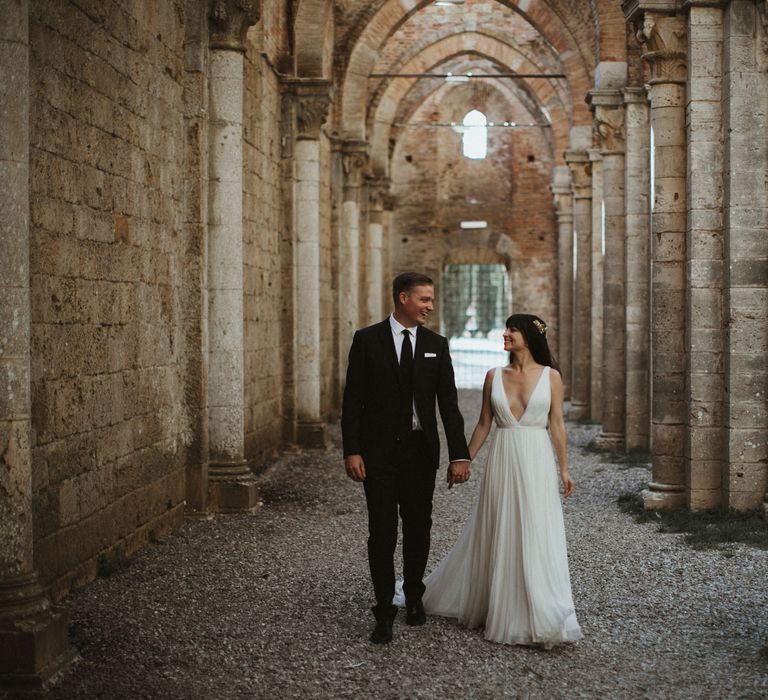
column 406, row 281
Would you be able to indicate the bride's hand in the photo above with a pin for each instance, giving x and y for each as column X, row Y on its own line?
column 567, row 484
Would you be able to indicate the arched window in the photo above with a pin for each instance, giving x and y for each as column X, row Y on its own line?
column 474, row 140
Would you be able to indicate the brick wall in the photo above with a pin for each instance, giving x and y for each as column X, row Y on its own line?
column 436, row 188
column 107, row 162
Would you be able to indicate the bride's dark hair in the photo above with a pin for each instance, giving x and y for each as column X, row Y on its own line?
column 534, row 331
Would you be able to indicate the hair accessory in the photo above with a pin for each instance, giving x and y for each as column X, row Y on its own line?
column 540, row 326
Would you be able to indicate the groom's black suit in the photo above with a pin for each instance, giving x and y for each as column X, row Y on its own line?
column 400, row 463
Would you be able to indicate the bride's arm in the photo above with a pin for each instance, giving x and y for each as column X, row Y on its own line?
column 483, row 426
column 557, row 430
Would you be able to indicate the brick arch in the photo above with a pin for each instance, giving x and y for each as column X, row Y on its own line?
column 313, row 38
column 611, row 29
column 577, row 66
column 560, row 107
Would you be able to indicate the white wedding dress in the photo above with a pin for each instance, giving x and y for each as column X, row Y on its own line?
column 508, row 571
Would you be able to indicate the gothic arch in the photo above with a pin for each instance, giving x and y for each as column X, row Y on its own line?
column 313, row 38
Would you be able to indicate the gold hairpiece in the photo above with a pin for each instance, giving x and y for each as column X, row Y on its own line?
column 541, row 327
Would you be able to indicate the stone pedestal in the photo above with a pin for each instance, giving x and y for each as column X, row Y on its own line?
column 637, row 269
column 608, row 109
column 231, row 483
column 581, row 177
column 663, row 34
column 33, row 636
column 313, row 96
column 561, row 190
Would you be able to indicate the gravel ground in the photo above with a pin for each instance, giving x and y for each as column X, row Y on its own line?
column 276, row 605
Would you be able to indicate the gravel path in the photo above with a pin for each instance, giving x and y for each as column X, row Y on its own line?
column 276, row 606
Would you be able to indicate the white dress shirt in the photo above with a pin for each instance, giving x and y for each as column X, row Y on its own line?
column 397, row 336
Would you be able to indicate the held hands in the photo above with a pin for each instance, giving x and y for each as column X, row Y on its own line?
column 567, row 483
column 458, row 473
column 355, row 467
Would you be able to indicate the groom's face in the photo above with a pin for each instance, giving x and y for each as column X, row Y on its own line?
column 417, row 304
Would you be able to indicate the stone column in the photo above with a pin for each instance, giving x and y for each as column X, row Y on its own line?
column 745, row 101
column 33, row 635
column 313, row 97
column 561, row 191
column 663, row 34
column 637, row 268
column 232, row 486
column 354, row 159
column 704, row 446
column 608, row 109
column 597, row 262
column 377, row 192
column 388, row 246
column 581, row 177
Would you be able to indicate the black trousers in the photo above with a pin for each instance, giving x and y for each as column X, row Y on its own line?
column 407, row 485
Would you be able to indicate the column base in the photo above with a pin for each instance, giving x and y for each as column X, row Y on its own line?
column 613, row 442
column 659, row 496
column 34, row 640
column 578, row 411
column 311, row 435
column 232, row 488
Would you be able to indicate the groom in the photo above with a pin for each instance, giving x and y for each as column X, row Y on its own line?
column 397, row 368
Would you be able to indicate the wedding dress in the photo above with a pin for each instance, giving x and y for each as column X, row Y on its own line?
column 508, row 571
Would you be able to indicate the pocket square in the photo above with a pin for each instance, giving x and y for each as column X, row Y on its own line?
column 430, row 354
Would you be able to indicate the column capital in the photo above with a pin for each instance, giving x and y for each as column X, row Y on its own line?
column 635, row 95
column 312, row 98
column 607, row 107
column 378, row 190
column 354, row 160
column 664, row 36
column 229, row 21
column 633, row 9
column 581, row 173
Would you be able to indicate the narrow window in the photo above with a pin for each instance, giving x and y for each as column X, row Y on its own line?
column 474, row 140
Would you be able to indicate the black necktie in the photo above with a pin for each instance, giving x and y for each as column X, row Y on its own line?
column 406, row 373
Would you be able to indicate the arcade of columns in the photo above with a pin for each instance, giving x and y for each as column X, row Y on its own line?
column 662, row 289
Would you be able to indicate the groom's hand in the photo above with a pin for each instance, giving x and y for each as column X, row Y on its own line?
column 355, row 467
column 458, row 473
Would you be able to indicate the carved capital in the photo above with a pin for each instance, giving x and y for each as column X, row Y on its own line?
column 313, row 100
column 664, row 38
column 354, row 159
column 608, row 110
column 581, row 173
column 378, row 190
column 229, row 21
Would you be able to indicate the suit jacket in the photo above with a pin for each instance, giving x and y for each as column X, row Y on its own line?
column 372, row 396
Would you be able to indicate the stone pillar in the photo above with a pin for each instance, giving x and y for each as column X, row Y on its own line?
column 388, row 246
column 377, row 191
column 637, row 268
column 745, row 98
column 33, row 635
column 597, row 263
column 581, row 177
column 704, row 446
column 354, row 159
column 561, row 191
column 608, row 109
column 232, row 486
column 313, row 97
column 663, row 34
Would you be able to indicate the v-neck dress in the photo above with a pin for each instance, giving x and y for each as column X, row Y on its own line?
column 508, row 571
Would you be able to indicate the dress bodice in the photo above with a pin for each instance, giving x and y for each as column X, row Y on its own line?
column 536, row 412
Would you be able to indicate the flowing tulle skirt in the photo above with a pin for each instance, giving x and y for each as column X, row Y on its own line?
column 508, row 571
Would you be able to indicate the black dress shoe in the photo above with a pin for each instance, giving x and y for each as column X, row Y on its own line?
column 385, row 617
column 415, row 614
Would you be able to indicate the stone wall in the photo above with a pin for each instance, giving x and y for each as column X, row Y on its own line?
column 106, row 173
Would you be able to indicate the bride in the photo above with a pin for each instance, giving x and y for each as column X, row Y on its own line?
column 508, row 571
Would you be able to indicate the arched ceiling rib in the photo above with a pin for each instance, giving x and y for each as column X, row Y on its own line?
column 394, row 13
